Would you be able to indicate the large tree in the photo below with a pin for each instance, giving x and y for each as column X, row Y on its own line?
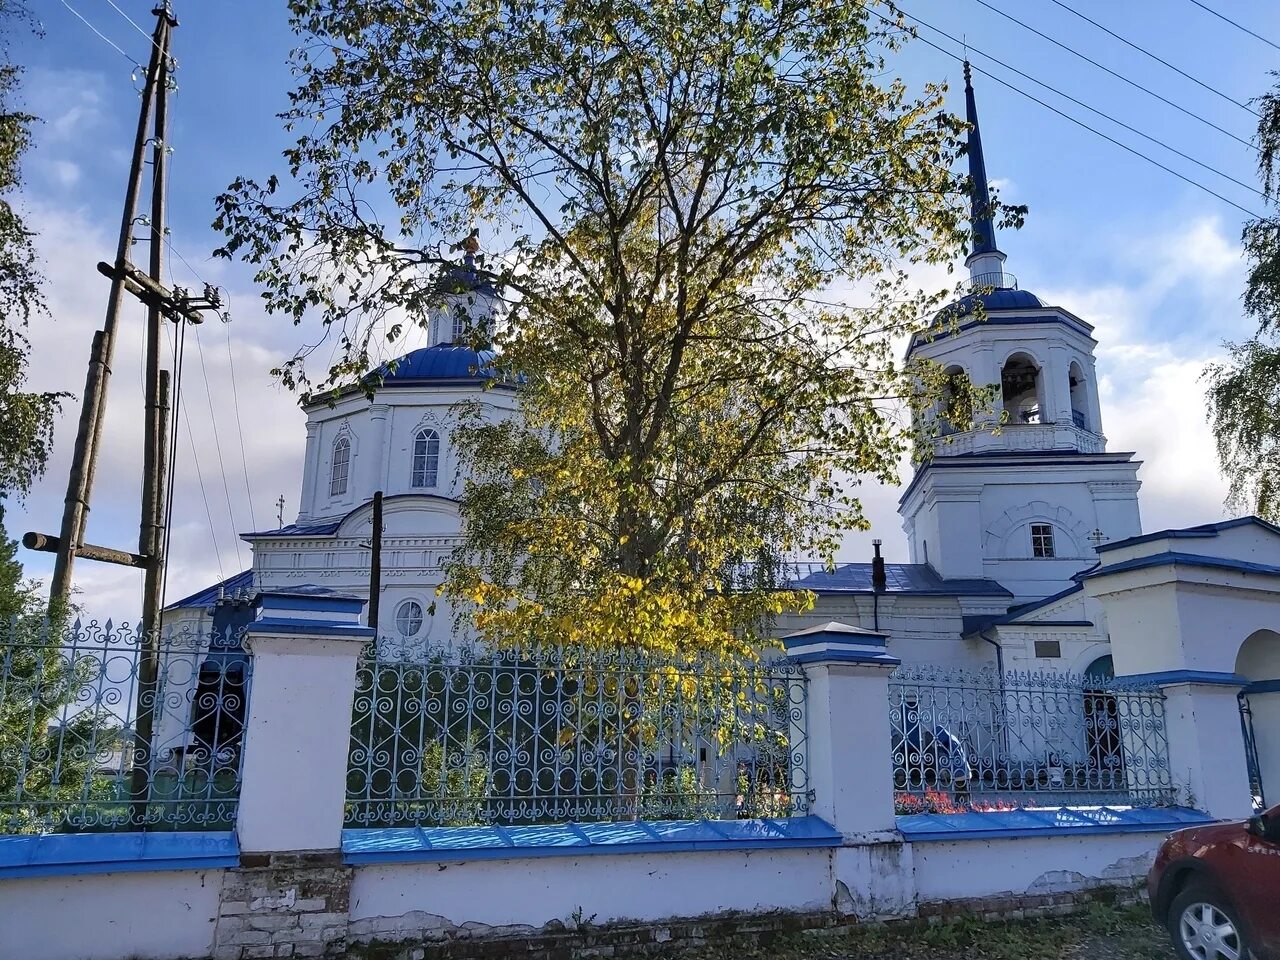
column 26, row 417
column 1244, row 390
column 682, row 196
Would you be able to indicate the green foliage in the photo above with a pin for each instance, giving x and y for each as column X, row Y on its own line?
column 48, row 745
column 457, row 783
column 26, row 417
column 680, row 190
column 1244, row 390
column 678, row 794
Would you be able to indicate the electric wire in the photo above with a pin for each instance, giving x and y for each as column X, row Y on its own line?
column 1119, row 76
column 217, row 445
column 244, row 458
column 179, row 348
column 1091, row 109
column 1148, row 53
column 133, row 23
column 102, row 35
column 204, row 495
column 1080, row 123
column 235, row 390
column 1238, row 26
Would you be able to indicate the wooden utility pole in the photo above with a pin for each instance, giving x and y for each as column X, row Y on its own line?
column 162, row 304
column 89, row 430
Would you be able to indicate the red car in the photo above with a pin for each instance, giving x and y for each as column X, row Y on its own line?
column 1217, row 889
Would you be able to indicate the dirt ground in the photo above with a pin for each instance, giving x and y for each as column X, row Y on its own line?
column 1101, row 933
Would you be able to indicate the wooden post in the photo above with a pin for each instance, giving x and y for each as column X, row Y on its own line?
column 89, row 429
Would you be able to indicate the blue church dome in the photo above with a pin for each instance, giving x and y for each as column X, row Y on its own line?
column 444, row 361
column 1002, row 299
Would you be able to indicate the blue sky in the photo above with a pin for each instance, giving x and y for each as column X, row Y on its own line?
column 1151, row 261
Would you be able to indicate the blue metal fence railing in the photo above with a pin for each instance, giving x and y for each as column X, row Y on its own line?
column 72, row 704
column 985, row 740
column 473, row 736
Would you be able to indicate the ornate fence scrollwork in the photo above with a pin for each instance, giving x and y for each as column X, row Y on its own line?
column 982, row 739
column 70, row 703
column 452, row 737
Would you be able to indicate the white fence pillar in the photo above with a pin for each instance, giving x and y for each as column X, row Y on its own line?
column 851, row 765
column 1172, row 624
column 1206, row 756
column 298, row 730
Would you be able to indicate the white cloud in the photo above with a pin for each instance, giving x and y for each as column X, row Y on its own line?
column 64, row 173
column 200, row 549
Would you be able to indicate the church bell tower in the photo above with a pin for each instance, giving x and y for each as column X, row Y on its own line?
column 1025, row 494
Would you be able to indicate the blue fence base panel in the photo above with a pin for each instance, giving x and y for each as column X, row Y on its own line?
column 48, row 855
column 1049, row 822
column 416, row 844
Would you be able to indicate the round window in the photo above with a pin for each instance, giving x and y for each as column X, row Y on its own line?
column 409, row 618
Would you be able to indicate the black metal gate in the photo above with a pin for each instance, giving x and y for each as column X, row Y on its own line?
column 1251, row 753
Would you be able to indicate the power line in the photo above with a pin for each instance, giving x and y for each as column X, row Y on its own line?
column 1148, row 53
column 217, row 445
column 1117, row 75
column 135, row 26
column 1238, row 26
column 195, row 458
column 1081, row 103
column 102, row 35
column 1076, row 121
column 244, row 459
column 235, row 392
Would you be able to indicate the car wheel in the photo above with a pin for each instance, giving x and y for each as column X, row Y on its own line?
column 1205, row 926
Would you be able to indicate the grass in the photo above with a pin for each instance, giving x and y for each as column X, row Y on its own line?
column 1106, row 932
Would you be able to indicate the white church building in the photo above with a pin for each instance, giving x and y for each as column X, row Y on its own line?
column 1018, row 529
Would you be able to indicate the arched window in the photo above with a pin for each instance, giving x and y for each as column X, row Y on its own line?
column 426, row 458
column 409, row 618
column 1020, row 389
column 339, row 467
column 1079, row 398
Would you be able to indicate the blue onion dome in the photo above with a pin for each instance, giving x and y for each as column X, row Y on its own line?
column 444, row 361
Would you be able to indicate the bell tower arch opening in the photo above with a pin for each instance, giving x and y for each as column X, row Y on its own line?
column 1022, row 389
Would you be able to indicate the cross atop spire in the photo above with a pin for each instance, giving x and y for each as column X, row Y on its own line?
column 985, row 261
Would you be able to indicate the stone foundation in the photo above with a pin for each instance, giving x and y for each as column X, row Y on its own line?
column 284, row 905
column 1028, row 906
column 557, row 940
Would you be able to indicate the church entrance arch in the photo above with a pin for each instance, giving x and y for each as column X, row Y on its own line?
column 1259, row 663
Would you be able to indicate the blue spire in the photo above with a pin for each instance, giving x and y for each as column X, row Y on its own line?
column 984, row 231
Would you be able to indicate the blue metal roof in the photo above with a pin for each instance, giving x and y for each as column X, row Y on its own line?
column 1002, row 299
column 1048, row 822
column 1190, row 533
column 326, row 529
column 44, row 855
column 1014, row 613
column 444, row 361
column 209, row 595
column 405, row 844
column 900, row 578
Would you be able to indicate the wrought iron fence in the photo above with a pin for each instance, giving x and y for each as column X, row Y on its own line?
column 473, row 736
column 102, row 728
column 983, row 739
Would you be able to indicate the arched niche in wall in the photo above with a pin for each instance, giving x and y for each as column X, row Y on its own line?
column 1010, row 536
